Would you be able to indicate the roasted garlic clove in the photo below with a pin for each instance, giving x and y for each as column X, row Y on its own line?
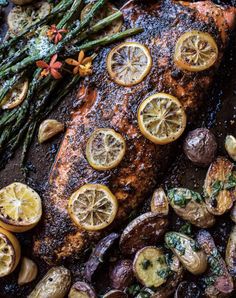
column 28, row 271
column 55, row 284
column 159, row 202
column 230, row 146
column 48, row 129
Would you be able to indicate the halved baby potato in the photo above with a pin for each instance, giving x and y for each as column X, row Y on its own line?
column 150, row 266
column 220, row 186
column 81, row 290
column 159, row 202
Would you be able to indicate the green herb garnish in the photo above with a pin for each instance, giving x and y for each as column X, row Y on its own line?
column 146, row 264
column 186, row 229
column 182, row 196
column 164, row 273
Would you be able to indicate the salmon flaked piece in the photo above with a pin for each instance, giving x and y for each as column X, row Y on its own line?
column 102, row 103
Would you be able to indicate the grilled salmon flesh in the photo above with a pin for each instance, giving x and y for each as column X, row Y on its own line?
column 103, row 103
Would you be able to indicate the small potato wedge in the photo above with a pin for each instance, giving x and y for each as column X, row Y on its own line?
column 144, row 230
column 220, row 186
column 190, row 206
column 122, row 275
column 167, row 289
column 81, row 289
column 186, row 249
column 150, row 266
column 159, row 202
column 230, row 255
column 55, row 284
column 221, row 282
column 98, row 255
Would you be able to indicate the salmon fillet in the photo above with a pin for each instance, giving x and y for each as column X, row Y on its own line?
column 102, row 103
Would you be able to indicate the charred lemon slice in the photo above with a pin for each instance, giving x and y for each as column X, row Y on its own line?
column 9, row 252
column 16, row 95
column 161, row 118
column 20, row 207
column 105, row 149
column 21, row 17
column 129, row 63
column 93, row 207
column 195, row 51
column 105, row 12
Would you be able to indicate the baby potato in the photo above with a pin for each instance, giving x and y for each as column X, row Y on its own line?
column 186, row 249
column 150, row 266
column 190, row 206
column 121, row 274
column 230, row 255
column 81, row 289
column 159, row 202
column 220, row 186
column 233, row 213
column 55, row 284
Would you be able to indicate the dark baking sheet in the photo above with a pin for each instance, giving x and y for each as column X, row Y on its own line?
column 219, row 114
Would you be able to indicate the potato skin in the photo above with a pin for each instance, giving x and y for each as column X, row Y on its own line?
column 219, row 198
column 122, row 275
column 230, row 255
column 200, row 146
column 55, row 284
column 193, row 210
column 223, row 283
column 98, row 255
column 22, row 2
column 142, row 231
column 83, row 287
column 187, row 289
column 159, row 202
column 115, row 294
column 185, row 248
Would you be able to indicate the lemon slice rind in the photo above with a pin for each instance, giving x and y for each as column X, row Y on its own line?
column 93, row 207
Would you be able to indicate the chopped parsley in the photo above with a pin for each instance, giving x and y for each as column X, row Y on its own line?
column 217, row 186
column 146, row 264
column 174, row 241
column 164, row 273
column 182, row 196
column 186, row 229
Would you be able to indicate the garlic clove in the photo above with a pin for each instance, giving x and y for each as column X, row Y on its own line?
column 28, row 271
column 48, row 129
column 230, row 146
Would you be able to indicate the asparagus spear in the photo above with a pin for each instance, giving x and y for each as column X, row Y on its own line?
column 69, row 14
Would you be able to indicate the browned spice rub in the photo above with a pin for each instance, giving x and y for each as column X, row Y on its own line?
column 102, row 103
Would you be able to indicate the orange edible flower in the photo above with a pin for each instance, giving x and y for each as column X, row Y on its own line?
column 51, row 68
column 83, row 65
column 55, row 34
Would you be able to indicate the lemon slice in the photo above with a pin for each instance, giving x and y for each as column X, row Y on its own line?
column 93, row 207
column 105, row 149
column 129, row 63
column 20, row 207
column 195, row 51
column 9, row 252
column 16, row 95
column 21, row 17
column 161, row 118
column 105, row 12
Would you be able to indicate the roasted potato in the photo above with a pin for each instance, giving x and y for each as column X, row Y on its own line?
column 159, row 202
column 121, row 274
column 22, row 2
column 150, row 266
column 233, row 213
column 220, row 186
column 81, row 290
column 142, row 231
column 98, row 255
column 230, row 146
column 230, row 255
column 188, row 252
column 187, row 289
column 190, row 206
column 115, row 294
column 168, row 288
column 220, row 282
column 55, row 284
column 200, row 146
